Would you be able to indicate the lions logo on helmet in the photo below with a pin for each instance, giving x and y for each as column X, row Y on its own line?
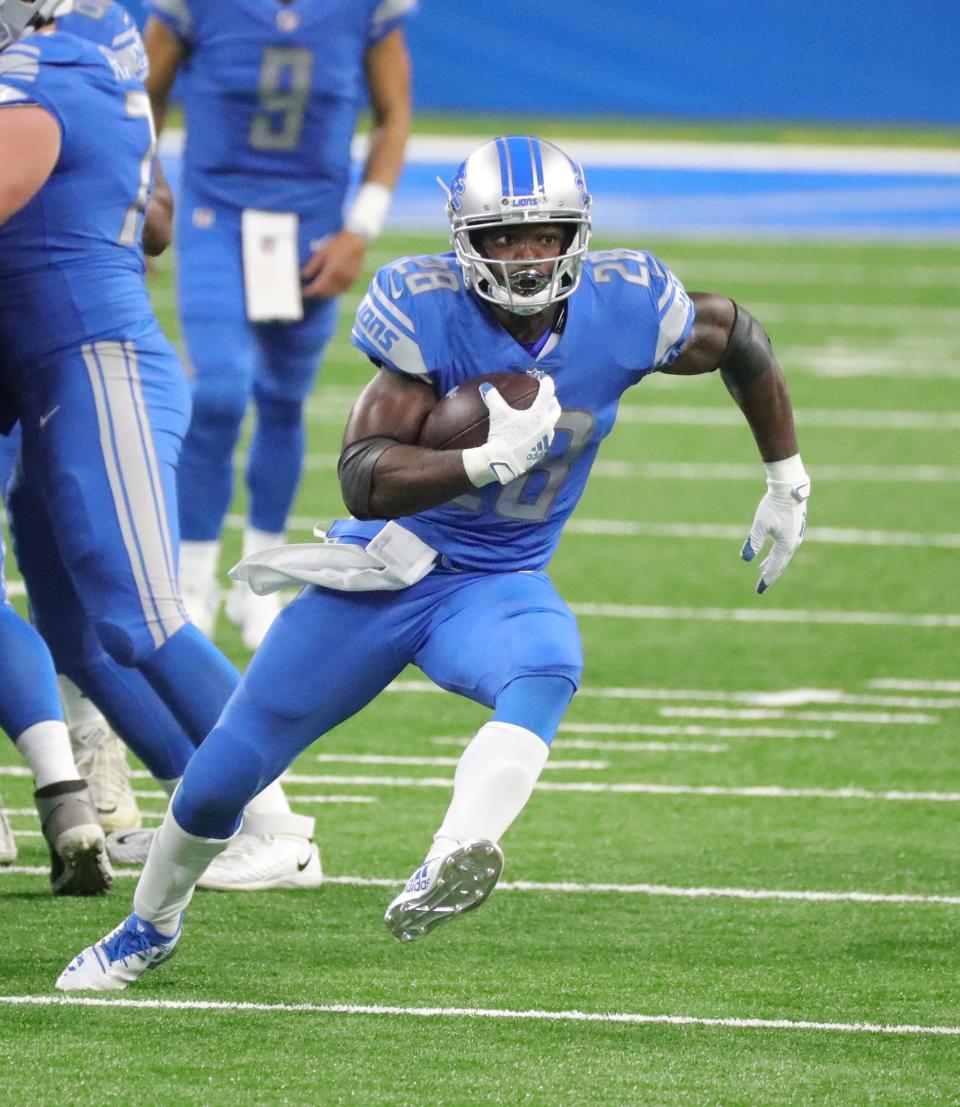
column 518, row 179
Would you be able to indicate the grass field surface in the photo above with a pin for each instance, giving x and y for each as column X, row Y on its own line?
column 738, row 880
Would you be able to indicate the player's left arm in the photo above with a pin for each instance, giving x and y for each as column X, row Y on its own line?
column 334, row 267
column 29, row 149
column 726, row 336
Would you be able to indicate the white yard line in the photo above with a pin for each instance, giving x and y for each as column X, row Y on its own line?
column 916, row 685
column 695, row 731
column 873, row 718
column 766, row 615
column 816, row 418
column 760, row 791
column 451, row 762
column 613, row 747
column 502, row 1014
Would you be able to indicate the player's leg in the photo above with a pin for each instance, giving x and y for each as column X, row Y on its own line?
column 290, row 357
column 508, row 641
column 326, row 656
column 30, row 714
column 223, row 354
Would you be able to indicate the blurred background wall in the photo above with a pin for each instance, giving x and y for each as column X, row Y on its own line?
column 870, row 61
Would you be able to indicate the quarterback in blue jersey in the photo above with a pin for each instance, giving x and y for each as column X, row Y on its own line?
column 271, row 93
column 100, row 394
column 442, row 564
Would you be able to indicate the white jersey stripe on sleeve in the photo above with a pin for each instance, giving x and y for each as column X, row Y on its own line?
column 392, row 308
column 673, row 322
column 388, row 343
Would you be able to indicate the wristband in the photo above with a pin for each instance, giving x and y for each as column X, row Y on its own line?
column 790, row 469
column 368, row 210
column 476, row 462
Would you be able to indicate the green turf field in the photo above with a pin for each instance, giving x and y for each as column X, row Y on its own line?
column 738, row 883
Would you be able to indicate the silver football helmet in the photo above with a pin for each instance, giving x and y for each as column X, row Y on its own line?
column 519, row 179
column 17, row 17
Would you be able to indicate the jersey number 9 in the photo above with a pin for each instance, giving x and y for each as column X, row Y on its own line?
column 283, row 91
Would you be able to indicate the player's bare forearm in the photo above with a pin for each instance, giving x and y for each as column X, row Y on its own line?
column 408, row 479
column 728, row 338
column 158, row 220
column 387, row 66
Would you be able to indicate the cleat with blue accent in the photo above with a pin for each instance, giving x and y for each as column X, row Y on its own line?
column 120, row 958
column 443, row 888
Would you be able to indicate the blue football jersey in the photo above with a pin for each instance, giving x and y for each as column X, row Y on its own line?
column 110, row 24
column 271, row 95
column 629, row 316
column 71, row 265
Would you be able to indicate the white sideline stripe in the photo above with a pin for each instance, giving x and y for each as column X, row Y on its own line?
column 481, row 1013
column 873, row 717
column 916, row 685
column 378, row 759
column 803, row 157
column 567, row 887
column 766, row 615
column 736, row 532
column 759, row 791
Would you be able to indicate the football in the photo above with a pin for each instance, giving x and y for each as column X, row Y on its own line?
column 461, row 420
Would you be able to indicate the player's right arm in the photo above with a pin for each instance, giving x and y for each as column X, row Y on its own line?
column 383, row 473
column 29, row 149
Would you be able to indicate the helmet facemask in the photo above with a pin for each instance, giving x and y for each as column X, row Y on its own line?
column 519, row 181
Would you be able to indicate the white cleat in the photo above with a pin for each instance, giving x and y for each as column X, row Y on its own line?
column 253, row 614
column 119, row 959
column 102, row 760
column 8, row 844
column 271, row 851
column 443, row 888
column 130, row 847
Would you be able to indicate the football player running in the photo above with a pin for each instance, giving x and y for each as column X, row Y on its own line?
column 455, row 581
column 271, row 97
column 102, row 401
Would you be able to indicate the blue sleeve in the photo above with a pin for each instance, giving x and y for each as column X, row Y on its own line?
column 400, row 322
column 176, row 15
column 387, row 15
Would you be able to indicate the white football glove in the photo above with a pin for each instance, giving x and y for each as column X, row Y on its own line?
column 781, row 515
column 518, row 438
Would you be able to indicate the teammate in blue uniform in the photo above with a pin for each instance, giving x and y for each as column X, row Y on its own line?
column 455, row 582
column 100, row 755
column 271, row 96
column 100, row 394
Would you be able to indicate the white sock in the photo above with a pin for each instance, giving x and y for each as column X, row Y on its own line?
column 271, row 801
column 175, row 863
column 255, row 541
column 198, row 563
column 81, row 713
column 494, row 779
column 46, row 749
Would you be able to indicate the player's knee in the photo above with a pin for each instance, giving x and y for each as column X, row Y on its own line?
column 279, row 411
column 217, row 410
column 132, row 642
